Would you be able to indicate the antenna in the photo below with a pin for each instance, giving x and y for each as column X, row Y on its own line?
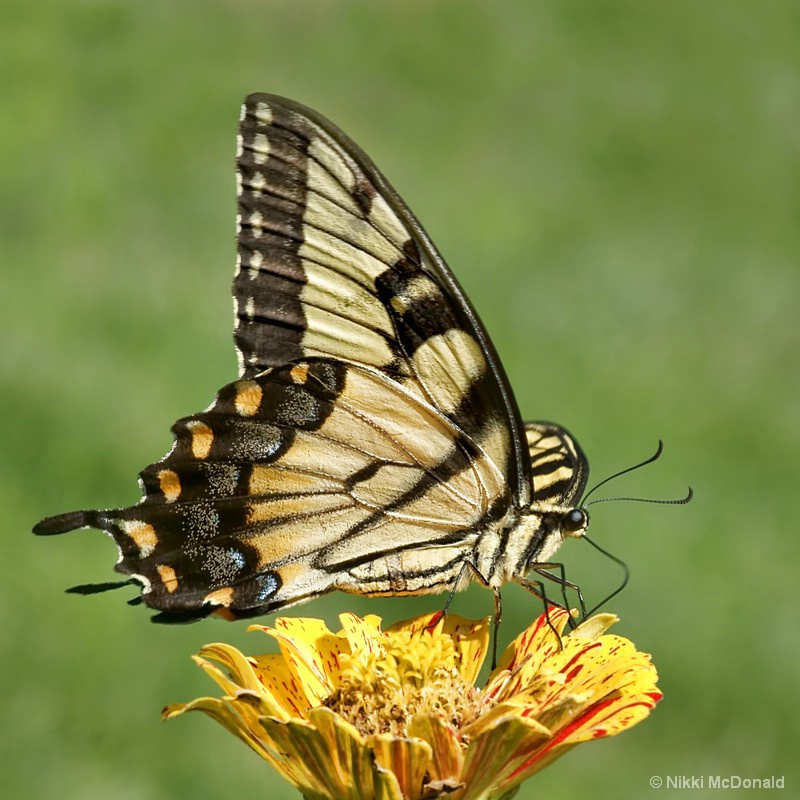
column 655, row 456
column 678, row 502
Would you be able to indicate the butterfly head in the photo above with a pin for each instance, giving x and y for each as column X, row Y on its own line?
column 542, row 531
column 574, row 523
column 559, row 524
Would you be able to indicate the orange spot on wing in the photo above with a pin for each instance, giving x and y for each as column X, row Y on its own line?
column 170, row 485
column 168, row 577
column 202, row 438
column 299, row 373
column 143, row 535
column 248, row 398
column 220, row 597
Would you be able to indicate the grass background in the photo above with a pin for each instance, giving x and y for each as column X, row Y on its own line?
column 615, row 184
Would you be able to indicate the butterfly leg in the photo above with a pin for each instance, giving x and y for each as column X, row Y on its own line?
column 536, row 588
column 498, row 613
column 561, row 580
column 465, row 568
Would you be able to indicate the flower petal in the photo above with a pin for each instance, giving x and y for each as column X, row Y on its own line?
column 407, row 759
column 595, row 626
column 447, row 758
column 597, row 687
column 608, row 670
column 234, row 688
column 311, row 652
column 519, row 706
column 363, row 635
column 494, row 757
column 237, row 664
column 281, row 684
column 629, row 680
column 522, row 660
column 222, row 713
column 326, row 759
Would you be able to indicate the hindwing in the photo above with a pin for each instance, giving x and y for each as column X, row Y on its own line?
column 301, row 479
column 559, row 469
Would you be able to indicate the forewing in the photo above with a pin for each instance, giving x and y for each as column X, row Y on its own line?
column 372, row 435
column 305, row 478
column 332, row 263
column 559, row 468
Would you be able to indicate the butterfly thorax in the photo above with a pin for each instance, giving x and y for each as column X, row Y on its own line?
column 525, row 539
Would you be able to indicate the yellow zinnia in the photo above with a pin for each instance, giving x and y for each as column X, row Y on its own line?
column 394, row 714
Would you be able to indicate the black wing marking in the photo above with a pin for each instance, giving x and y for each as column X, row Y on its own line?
column 559, row 468
column 332, row 262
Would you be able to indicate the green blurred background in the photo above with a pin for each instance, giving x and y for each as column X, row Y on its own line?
column 615, row 184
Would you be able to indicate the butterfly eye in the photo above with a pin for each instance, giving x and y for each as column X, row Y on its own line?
column 575, row 521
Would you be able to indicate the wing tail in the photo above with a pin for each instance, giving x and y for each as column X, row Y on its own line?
column 71, row 521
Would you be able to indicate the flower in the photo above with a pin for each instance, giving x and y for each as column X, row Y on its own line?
column 395, row 714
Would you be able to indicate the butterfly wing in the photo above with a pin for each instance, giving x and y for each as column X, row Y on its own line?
column 559, row 468
column 372, row 433
column 332, row 262
column 301, row 479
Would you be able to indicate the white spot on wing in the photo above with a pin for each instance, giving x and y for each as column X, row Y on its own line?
column 146, row 585
column 263, row 113
column 254, row 265
column 258, row 182
column 260, row 148
column 256, row 221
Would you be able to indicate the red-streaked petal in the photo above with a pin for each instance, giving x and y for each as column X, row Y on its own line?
column 282, row 684
column 232, row 688
column 447, row 757
column 522, row 660
column 311, row 652
column 326, row 759
column 494, row 757
column 408, row 759
column 363, row 635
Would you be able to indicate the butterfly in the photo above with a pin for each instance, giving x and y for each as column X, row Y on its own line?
column 371, row 443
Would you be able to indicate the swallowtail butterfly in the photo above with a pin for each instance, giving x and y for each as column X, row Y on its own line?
column 372, row 442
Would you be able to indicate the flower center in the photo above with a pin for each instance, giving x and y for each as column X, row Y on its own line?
column 381, row 690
